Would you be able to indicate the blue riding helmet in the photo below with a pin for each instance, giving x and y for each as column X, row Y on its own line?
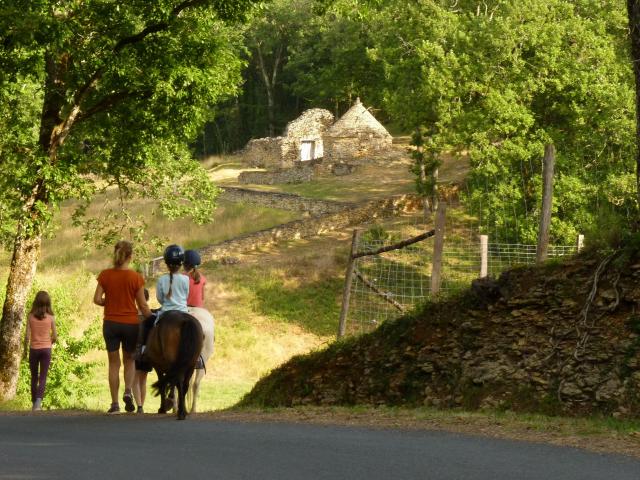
column 173, row 255
column 192, row 258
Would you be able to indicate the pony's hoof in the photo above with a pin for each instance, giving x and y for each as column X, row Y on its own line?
column 182, row 416
column 162, row 410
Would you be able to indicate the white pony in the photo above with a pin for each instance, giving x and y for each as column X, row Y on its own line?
column 206, row 321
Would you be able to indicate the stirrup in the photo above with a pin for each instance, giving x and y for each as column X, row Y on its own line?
column 199, row 363
column 140, row 352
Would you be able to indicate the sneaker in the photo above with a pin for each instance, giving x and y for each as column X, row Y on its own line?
column 127, row 398
column 115, row 408
column 140, row 409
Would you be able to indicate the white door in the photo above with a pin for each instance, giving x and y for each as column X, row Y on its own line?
column 307, row 150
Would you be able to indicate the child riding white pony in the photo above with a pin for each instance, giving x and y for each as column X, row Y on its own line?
column 206, row 321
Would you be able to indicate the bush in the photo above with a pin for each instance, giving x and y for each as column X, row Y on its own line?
column 68, row 382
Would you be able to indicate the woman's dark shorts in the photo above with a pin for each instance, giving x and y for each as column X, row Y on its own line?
column 115, row 333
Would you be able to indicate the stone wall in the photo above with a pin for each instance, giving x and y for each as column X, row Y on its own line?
column 284, row 152
column 301, row 173
column 350, row 149
column 355, row 215
column 310, row 126
column 535, row 340
column 263, row 152
column 284, row 201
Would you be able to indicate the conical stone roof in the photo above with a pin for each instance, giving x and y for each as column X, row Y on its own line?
column 356, row 121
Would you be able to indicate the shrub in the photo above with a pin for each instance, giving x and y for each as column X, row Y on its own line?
column 69, row 380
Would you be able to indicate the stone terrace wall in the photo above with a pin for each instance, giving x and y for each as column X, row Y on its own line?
column 284, row 201
column 299, row 174
column 356, row 215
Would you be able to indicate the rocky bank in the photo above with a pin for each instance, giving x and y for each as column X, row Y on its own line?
column 558, row 338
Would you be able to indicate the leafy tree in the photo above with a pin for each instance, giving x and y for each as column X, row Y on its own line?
column 268, row 37
column 330, row 64
column 500, row 79
column 633, row 13
column 98, row 94
column 425, row 169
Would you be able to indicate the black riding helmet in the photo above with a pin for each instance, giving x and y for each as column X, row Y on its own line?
column 192, row 258
column 173, row 255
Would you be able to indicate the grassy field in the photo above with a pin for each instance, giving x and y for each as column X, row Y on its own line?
column 274, row 304
column 381, row 178
column 271, row 305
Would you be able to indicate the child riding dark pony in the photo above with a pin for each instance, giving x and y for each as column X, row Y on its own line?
column 172, row 290
column 174, row 345
column 173, row 348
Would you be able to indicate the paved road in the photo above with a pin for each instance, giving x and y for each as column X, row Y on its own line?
column 137, row 448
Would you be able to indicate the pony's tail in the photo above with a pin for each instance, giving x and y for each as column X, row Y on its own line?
column 189, row 348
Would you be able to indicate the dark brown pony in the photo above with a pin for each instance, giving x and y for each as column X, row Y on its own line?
column 173, row 347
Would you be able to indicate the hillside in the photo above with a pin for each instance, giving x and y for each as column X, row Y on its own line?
column 544, row 339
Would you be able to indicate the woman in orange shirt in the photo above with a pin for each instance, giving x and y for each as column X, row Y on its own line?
column 120, row 291
column 40, row 334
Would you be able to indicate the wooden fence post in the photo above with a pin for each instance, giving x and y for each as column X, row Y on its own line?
column 580, row 242
column 348, row 279
column 547, row 197
column 438, row 246
column 484, row 255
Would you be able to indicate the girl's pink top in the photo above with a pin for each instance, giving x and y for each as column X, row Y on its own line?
column 196, row 292
column 41, row 331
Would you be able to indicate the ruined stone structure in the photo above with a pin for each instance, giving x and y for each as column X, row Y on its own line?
column 302, row 141
column 356, row 135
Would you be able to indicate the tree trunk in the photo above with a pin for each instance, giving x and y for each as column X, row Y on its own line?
column 271, row 111
column 26, row 252
column 269, row 84
column 633, row 11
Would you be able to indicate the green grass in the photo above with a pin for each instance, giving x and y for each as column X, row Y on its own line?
column 256, row 330
column 65, row 250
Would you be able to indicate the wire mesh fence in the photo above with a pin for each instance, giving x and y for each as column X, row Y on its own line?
column 388, row 284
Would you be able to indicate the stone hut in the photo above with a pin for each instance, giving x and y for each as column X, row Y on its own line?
column 355, row 135
column 302, row 141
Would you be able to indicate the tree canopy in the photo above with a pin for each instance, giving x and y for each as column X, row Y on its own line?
column 96, row 94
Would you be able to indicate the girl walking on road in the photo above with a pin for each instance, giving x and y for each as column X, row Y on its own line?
column 40, row 334
column 119, row 290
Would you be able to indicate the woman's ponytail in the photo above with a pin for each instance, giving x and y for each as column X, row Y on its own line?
column 122, row 252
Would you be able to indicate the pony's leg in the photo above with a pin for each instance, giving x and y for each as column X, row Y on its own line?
column 172, row 401
column 182, row 411
column 196, row 387
column 162, row 393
